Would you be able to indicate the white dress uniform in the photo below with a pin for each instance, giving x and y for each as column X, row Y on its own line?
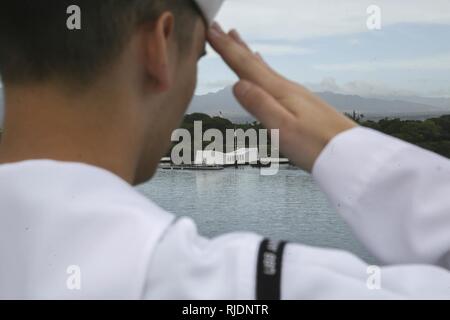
column 74, row 231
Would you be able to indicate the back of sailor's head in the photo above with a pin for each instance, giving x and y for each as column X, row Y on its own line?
column 36, row 44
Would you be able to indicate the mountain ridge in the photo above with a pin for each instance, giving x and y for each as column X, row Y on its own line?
column 223, row 102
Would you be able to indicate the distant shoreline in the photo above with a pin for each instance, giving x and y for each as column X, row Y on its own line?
column 432, row 133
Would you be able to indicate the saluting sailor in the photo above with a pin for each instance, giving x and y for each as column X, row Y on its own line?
column 89, row 113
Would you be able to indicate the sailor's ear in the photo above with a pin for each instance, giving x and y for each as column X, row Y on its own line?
column 159, row 44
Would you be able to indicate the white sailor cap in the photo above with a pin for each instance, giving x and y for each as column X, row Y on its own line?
column 209, row 8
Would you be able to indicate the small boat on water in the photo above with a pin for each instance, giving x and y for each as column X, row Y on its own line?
column 260, row 165
column 267, row 162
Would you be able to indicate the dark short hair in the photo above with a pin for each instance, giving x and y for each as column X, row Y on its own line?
column 35, row 43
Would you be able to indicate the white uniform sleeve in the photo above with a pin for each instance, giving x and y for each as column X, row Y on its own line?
column 394, row 195
column 313, row 273
column 187, row 266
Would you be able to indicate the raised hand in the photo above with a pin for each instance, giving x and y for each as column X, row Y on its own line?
column 306, row 123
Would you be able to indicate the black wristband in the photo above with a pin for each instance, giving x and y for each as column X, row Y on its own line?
column 268, row 273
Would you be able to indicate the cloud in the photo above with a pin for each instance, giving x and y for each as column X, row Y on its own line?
column 268, row 49
column 300, row 19
column 217, row 85
column 443, row 92
column 437, row 62
column 354, row 42
column 360, row 88
column 333, row 40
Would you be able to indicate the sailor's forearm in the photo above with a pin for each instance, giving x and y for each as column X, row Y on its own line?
column 393, row 194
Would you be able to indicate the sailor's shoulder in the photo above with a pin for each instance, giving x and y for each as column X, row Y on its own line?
column 186, row 265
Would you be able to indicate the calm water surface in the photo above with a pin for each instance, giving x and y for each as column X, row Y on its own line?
column 287, row 206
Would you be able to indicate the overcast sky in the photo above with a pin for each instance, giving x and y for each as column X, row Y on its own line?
column 326, row 45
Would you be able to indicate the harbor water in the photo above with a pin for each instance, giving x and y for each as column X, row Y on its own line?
column 286, row 206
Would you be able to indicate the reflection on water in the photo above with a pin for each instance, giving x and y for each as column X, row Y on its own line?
column 286, row 206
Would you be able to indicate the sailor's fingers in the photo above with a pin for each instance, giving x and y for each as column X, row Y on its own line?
column 263, row 61
column 247, row 65
column 262, row 105
column 234, row 34
column 260, row 57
